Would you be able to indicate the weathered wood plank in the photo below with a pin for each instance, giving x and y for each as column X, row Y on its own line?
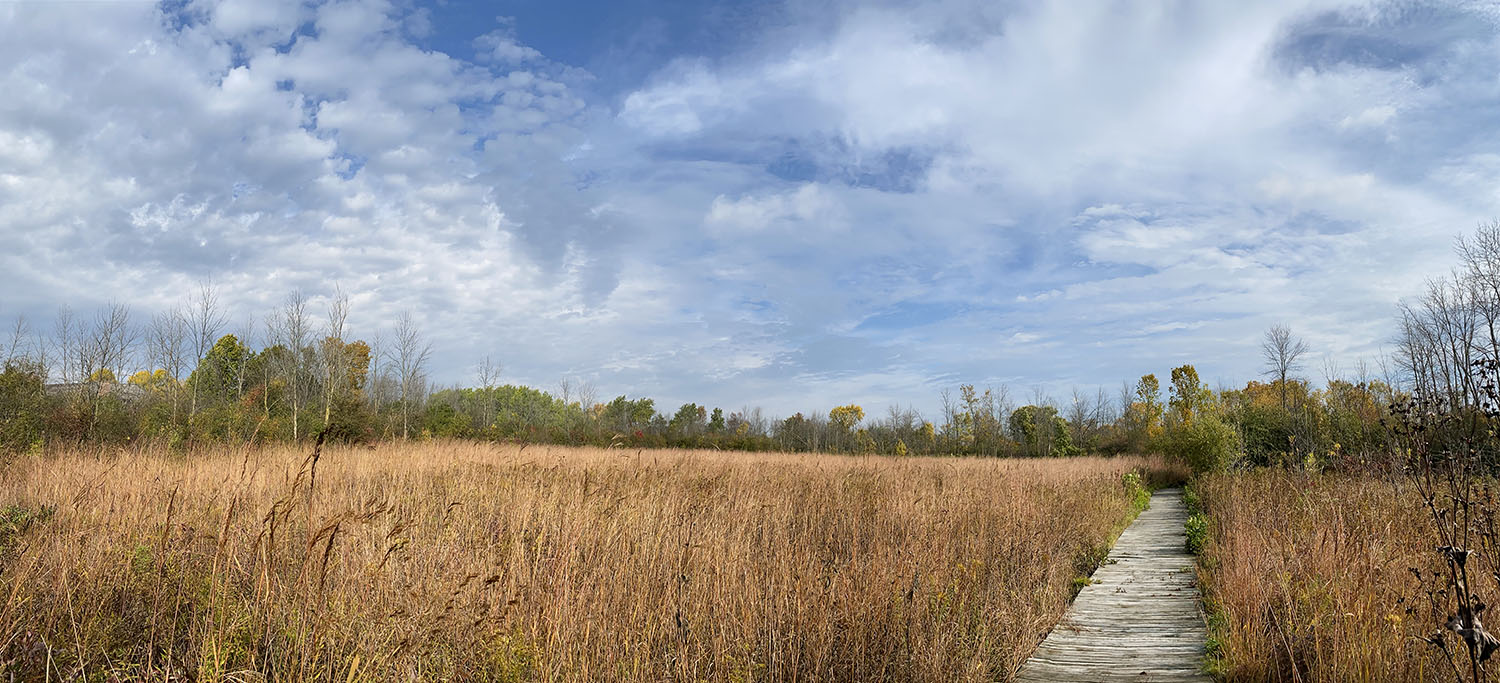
column 1139, row 619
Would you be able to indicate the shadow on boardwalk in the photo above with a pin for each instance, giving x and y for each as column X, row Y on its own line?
column 1139, row 620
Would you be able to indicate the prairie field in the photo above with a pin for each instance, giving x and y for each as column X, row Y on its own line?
column 1309, row 578
column 467, row 561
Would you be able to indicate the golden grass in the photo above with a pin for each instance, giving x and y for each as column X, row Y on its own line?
column 1308, row 578
column 462, row 561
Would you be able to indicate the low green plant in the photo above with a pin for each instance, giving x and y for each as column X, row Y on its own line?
column 1214, row 663
column 1197, row 532
column 1136, row 490
column 1191, row 499
column 142, row 561
column 512, row 658
column 16, row 520
column 1079, row 582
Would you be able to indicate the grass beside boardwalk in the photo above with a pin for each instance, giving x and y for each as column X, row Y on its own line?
column 1307, row 578
column 466, row 561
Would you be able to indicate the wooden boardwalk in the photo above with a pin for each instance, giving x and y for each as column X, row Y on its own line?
column 1140, row 621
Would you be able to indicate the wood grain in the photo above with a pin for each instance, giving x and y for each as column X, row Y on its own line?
column 1139, row 620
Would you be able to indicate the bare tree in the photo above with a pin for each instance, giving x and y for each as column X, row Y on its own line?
column 166, row 342
column 1457, row 317
column 39, row 354
column 587, row 395
column 1283, row 355
column 166, row 348
column 760, row 425
column 106, row 349
column 1416, row 352
column 110, row 343
column 1331, row 370
column 16, row 349
column 66, row 334
column 951, row 428
column 1040, row 398
column 334, row 353
column 204, row 319
column 245, row 333
column 1480, row 256
column 1437, row 344
column 1362, row 370
column 290, row 327
column 409, row 354
column 488, row 372
column 1080, row 417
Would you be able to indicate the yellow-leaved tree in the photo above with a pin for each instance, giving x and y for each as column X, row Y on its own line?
column 845, row 417
column 841, row 420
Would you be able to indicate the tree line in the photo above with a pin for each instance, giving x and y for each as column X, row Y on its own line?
column 184, row 377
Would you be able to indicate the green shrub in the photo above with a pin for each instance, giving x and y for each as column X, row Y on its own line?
column 1062, row 440
column 1207, row 444
column 443, row 421
column 1191, row 499
column 1197, row 532
column 22, row 406
column 1267, row 432
column 350, row 421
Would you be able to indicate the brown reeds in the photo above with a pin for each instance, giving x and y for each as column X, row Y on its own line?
column 1308, row 578
column 462, row 561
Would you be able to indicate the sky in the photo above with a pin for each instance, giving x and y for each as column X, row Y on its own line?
column 792, row 205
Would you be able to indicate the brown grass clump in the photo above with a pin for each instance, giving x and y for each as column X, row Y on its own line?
column 459, row 561
column 1308, row 578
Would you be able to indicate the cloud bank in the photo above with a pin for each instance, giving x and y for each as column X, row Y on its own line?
column 865, row 203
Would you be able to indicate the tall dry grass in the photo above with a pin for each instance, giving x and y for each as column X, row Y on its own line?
column 462, row 561
column 1308, row 578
